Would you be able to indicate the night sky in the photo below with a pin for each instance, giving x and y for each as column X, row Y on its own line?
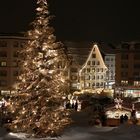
column 78, row 20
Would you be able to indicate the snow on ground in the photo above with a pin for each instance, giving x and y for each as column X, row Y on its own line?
column 81, row 130
column 123, row 132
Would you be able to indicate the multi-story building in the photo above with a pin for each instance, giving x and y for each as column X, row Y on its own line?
column 9, row 47
column 78, row 53
column 108, row 53
column 110, row 75
column 88, row 64
column 128, row 69
column 93, row 72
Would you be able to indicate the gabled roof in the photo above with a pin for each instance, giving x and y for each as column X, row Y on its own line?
column 96, row 50
column 112, row 107
column 81, row 50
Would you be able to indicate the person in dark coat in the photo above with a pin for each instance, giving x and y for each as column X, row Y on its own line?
column 121, row 119
column 76, row 105
column 125, row 118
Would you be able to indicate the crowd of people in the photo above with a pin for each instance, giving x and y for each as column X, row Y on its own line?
column 123, row 119
column 72, row 104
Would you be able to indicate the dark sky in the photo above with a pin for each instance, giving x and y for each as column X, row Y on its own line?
column 85, row 20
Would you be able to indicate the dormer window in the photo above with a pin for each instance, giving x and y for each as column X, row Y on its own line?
column 93, row 55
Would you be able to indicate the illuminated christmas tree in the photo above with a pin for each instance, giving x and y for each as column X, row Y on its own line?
column 37, row 104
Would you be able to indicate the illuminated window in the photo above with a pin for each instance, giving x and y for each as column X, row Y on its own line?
column 87, row 84
column 3, row 64
column 123, row 82
column 136, row 83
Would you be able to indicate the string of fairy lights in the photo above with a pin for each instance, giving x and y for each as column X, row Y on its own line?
column 36, row 106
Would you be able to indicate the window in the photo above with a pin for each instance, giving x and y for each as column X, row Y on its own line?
column 136, row 74
column 88, row 62
column 98, row 62
column 15, row 64
column 88, row 69
column 124, row 74
column 3, row 64
column 93, row 62
column 15, row 73
column 87, row 85
column 97, row 84
column 22, row 44
column 15, row 44
column 102, row 77
column 87, row 77
column 3, row 54
column 93, row 55
column 98, row 70
column 3, row 44
column 15, row 54
column 93, row 77
column 74, row 85
column 136, row 83
column 124, row 82
column 3, row 83
column 124, row 65
column 101, row 69
column 107, row 59
column 101, row 84
column 3, row 73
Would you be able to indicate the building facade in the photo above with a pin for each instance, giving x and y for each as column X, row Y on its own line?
column 9, row 70
column 128, row 69
column 93, row 72
column 109, row 60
